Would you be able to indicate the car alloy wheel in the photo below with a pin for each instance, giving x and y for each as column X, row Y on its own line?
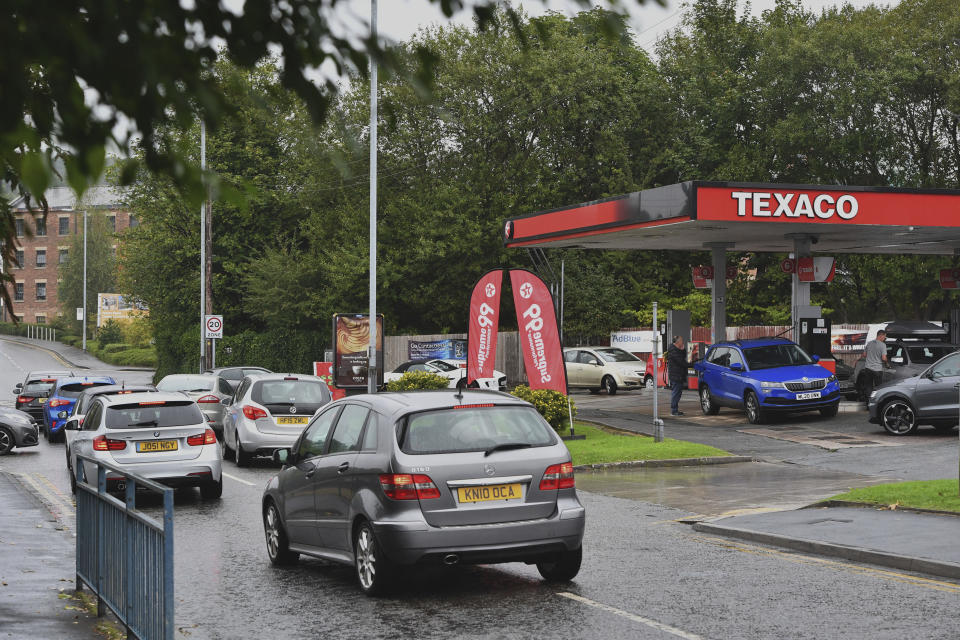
column 707, row 404
column 278, row 547
column 610, row 385
column 898, row 417
column 752, row 405
column 373, row 569
column 240, row 457
column 6, row 441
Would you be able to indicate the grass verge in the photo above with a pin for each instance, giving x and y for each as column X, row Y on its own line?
column 939, row 495
column 611, row 445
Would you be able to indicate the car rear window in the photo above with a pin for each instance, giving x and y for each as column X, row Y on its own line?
column 148, row 415
column 474, row 429
column 303, row 392
column 929, row 354
column 37, row 387
column 74, row 389
column 186, row 383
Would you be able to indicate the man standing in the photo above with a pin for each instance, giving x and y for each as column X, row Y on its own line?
column 876, row 360
column 677, row 373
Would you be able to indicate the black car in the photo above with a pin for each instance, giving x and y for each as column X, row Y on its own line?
column 233, row 375
column 910, row 350
column 33, row 392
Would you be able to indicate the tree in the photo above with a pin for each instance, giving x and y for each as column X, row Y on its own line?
column 101, row 270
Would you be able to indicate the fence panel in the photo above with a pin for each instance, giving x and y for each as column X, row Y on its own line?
column 123, row 555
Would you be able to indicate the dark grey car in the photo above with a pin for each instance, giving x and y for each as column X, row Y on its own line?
column 17, row 429
column 932, row 397
column 905, row 359
column 426, row 478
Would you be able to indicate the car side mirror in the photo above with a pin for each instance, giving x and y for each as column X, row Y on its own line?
column 736, row 366
column 281, row 456
column 815, row 358
column 16, row 390
column 71, row 425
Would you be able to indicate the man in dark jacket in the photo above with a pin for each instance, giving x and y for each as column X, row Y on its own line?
column 677, row 373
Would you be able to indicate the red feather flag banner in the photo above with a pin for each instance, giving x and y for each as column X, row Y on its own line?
column 483, row 327
column 539, row 335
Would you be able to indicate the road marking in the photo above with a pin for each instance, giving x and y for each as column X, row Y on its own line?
column 249, row 484
column 15, row 363
column 50, row 352
column 61, row 508
column 894, row 576
column 631, row 616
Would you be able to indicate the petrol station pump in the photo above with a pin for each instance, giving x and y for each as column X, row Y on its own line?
column 815, row 338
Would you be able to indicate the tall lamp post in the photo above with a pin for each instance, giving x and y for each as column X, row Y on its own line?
column 84, row 279
column 203, row 249
column 373, row 365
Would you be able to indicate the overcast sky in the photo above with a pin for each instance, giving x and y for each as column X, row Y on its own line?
column 399, row 19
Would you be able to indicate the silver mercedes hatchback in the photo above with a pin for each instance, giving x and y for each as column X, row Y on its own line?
column 431, row 477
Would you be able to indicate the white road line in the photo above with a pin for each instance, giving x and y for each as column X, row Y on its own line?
column 631, row 616
column 249, row 484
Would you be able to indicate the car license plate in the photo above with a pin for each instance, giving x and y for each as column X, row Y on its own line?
column 293, row 420
column 41, row 400
column 156, row 445
column 488, row 493
column 808, row 396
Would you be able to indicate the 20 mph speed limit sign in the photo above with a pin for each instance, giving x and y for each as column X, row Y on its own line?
column 213, row 326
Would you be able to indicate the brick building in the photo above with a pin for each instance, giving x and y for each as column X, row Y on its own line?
column 40, row 255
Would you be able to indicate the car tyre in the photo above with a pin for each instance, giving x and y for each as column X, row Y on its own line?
column 564, row 569
column 707, row 403
column 278, row 546
column 240, row 457
column 212, row 490
column 43, row 428
column 609, row 385
column 898, row 417
column 375, row 572
column 7, row 441
column 831, row 411
column 755, row 414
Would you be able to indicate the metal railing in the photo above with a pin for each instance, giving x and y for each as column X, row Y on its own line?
column 124, row 556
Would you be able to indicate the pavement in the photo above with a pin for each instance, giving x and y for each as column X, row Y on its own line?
column 70, row 357
column 37, row 570
column 906, row 540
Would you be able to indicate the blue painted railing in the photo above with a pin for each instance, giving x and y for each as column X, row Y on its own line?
column 124, row 556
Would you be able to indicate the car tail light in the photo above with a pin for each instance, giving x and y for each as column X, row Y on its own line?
column 252, row 413
column 103, row 443
column 403, row 486
column 152, row 403
column 558, row 476
column 57, row 402
column 474, row 406
column 207, row 437
column 291, row 378
column 209, row 400
column 24, row 399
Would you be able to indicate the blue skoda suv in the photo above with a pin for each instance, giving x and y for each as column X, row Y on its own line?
column 763, row 376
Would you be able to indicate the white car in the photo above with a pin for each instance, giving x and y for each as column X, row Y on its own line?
column 158, row 435
column 608, row 368
column 454, row 370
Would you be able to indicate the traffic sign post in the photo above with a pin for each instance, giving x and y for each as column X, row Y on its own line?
column 213, row 331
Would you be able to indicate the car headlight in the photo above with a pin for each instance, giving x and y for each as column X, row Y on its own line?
column 873, row 394
column 831, row 379
column 771, row 385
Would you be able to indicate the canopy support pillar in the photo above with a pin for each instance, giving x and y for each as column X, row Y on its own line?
column 801, row 290
column 718, row 305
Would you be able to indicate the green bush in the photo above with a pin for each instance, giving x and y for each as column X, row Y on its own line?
column 110, row 333
column 551, row 404
column 137, row 332
column 418, row 380
column 116, row 347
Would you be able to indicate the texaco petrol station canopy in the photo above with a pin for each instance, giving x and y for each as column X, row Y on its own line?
column 736, row 216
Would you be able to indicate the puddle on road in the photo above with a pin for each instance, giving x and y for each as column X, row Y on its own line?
column 716, row 489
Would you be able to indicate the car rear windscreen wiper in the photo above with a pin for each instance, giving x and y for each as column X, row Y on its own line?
column 507, row 445
column 146, row 423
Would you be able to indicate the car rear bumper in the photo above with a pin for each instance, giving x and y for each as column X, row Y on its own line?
column 264, row 444
column 176, row 473
column 779, row 403
column 417, row 542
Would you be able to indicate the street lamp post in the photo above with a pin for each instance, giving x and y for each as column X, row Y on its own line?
column 203, row 247
column 372, row 363
column 84, row 279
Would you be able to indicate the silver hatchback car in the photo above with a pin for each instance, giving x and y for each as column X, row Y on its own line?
column 268, row 412
column 440, row 477
column 161, row 436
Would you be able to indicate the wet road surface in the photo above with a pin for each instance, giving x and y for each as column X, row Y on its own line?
column 645, row 573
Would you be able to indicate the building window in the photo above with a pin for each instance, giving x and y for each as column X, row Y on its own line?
column 41, row 291
column 42, row 225
column 41, row 318
column 19, row 227
column 18, row 292
column 18, row 316
column 19, row 258
column 64, row 226
column 64, row 255
column 113, row 223
column 134, row 223
column 41, row 257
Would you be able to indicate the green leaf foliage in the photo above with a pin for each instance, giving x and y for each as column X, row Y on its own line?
column 418, row 380
column 552, row 405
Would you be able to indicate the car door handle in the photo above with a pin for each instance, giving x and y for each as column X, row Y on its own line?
column 344, row 466
column 309, row 474
column 957, row 386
